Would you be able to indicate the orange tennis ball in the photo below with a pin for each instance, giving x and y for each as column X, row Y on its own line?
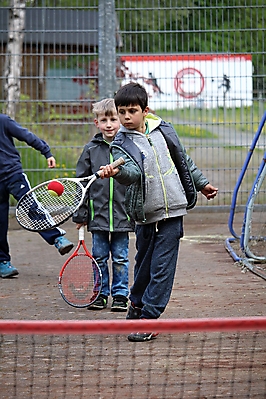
column 55, row 188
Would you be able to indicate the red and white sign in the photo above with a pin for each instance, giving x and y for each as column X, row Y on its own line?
column 199, row 80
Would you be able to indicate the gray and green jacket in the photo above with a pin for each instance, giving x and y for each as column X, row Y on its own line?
column 162, row 180
column 104, row 208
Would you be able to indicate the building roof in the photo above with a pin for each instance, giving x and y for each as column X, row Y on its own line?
column 54, row 26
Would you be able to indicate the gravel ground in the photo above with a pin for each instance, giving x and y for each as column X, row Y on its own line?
column 208, row 283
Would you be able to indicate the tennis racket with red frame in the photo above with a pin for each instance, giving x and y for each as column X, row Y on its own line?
column 80, row 279
column 39, row 210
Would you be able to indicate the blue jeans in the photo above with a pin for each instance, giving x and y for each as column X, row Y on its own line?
column 154, row 272
column 17, row 185
column 116, row 243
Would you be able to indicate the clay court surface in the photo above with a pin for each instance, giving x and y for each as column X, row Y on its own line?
column 207, row 284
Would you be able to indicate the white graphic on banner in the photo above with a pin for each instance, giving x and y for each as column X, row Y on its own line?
column 178, row 81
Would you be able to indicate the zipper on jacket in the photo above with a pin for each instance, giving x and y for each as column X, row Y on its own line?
column 147, row 134
column 149, row 140
column 92, row 209
column 162, row 182
column 111, row 198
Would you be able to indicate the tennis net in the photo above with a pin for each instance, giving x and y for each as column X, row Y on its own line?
column 190, row 358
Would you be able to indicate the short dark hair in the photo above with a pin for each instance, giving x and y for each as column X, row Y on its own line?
column 131, row 94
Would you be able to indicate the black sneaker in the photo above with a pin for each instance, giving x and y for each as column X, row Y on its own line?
column 119, row 304
column 99, row 304
column 141, row 337
column 133, row 312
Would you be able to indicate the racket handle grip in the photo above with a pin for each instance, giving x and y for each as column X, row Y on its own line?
column 118, row 162
column 115, row 164
column 81, row 233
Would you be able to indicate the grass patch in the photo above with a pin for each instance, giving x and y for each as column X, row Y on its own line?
column 243, row 119
column 193, row 132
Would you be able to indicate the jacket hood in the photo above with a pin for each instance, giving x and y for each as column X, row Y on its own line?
column 97, row 138
column 153, row 121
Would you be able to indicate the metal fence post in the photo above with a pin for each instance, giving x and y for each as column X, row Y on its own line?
column 107, row 48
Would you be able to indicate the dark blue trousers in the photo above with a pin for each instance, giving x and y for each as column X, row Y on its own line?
column 157, row 252
column 17, row 185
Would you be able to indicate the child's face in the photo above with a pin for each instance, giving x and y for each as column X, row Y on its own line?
column 132, row 117
column 108, row 125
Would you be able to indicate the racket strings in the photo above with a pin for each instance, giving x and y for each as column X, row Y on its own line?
column 80, row 282
column 39, row 210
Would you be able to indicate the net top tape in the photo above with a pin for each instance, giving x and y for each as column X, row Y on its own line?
column 57, row 327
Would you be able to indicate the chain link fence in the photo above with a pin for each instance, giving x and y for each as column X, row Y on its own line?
column 201, row 62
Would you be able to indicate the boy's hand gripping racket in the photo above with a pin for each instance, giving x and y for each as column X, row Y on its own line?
column 80, row 279
column 53, row 202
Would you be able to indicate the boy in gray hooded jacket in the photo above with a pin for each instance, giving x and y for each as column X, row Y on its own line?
column 162, row 183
